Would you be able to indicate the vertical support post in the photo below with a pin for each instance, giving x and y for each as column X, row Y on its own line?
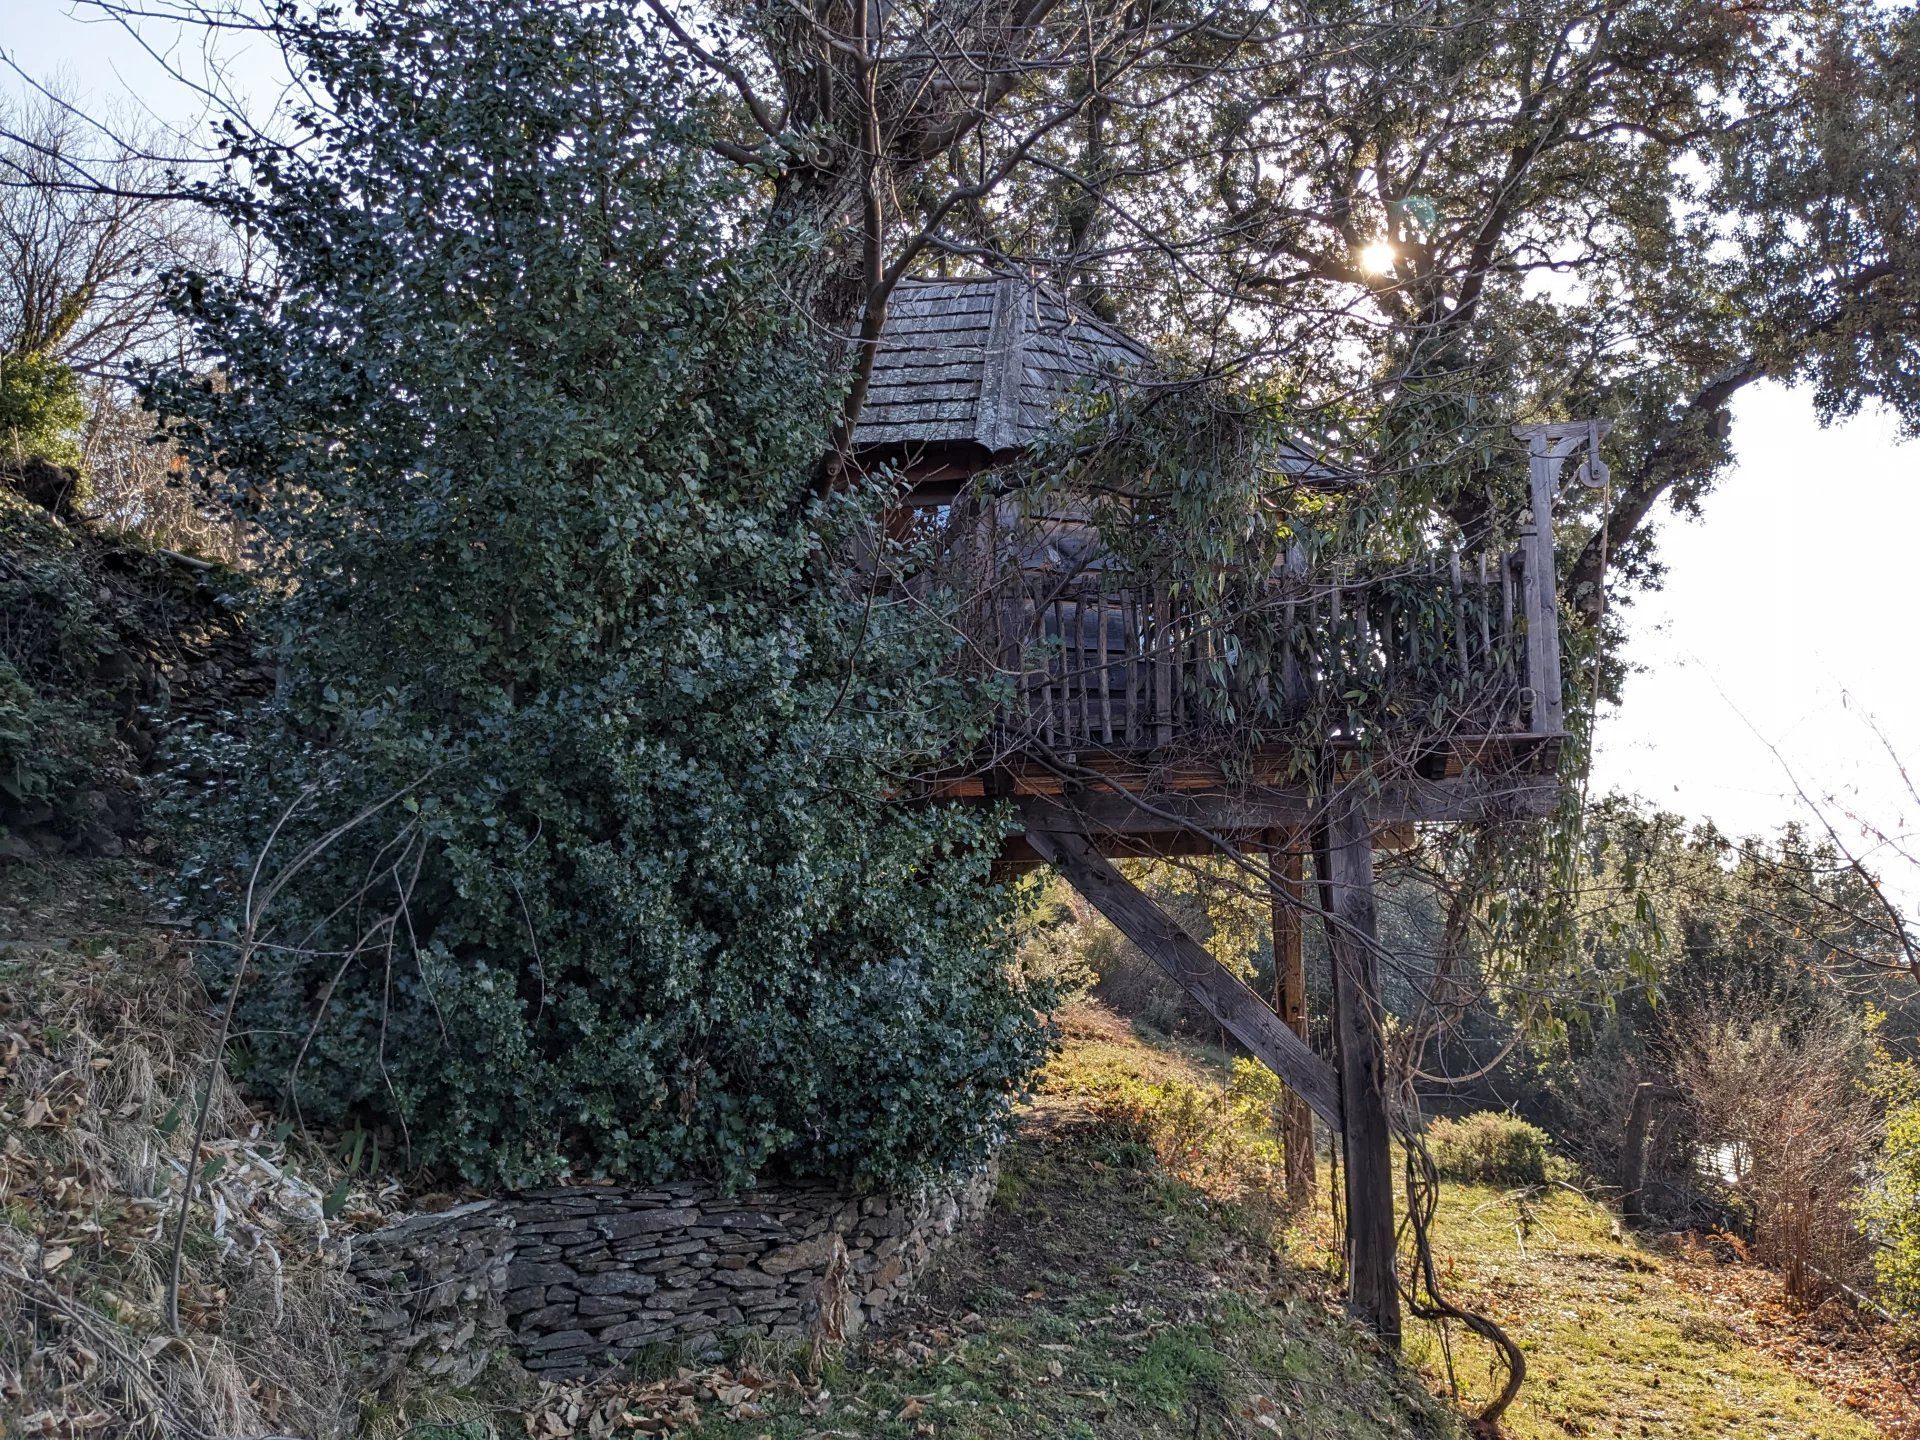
column 1548, row 448
column 1539, row 590
column 1290, row 1004
column 1345, row 867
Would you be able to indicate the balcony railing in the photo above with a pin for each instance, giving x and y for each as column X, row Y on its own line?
column 1096, row 657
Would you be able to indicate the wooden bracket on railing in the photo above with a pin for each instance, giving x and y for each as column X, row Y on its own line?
column 1548, row 447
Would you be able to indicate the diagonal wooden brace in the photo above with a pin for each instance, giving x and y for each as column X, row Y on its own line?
column 1246, row 1016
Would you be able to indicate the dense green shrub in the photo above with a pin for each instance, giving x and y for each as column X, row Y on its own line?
column 1488, row 1148
column 532, row 433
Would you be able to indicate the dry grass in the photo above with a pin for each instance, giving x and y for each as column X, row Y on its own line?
column 103, row 1036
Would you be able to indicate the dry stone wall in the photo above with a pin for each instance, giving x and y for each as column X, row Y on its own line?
column 582, row 1276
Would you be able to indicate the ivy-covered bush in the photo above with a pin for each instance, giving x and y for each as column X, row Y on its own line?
column 41, row 410
column 1488, row 1148
column 611, row 745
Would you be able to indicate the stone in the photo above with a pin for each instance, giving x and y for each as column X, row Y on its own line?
column 518, row 1302
column 559, row 1340
column 567, row 1232
column 635, row 1333
column 600, row 1322
column 608, row 1305
column 643, row 1222
column 746, row 1279
column 618, row 1282
column 804, row 1255
column 520, row 1274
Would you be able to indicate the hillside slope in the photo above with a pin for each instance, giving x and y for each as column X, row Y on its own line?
column 1634, row 1338
column 1105, row 1295
column 1133, row 1280
column 103, row 1044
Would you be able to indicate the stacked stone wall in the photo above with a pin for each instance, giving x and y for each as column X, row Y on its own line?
column 574, row 1278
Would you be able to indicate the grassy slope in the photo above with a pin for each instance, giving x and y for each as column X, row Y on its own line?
column 1616, row 1345
column 1108, row 1296
column 1126, row 1283
column 1103, row 1296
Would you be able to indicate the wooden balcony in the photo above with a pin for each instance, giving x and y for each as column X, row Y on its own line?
column 1160, row 709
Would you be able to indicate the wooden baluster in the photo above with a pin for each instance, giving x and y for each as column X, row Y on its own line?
column 1162, row 668
column 1095, row 681
column 1130, row 665
column 1337, row 665
column 1507, row 647
column 1486, row 615
column 1363, row 635
column 1293, row 682
column 1458, row 585
column 1102, row 616
column 1085, row 657
column 1056, row 665
column 1030, row 711
column 1403, row 642
column 1072, row 678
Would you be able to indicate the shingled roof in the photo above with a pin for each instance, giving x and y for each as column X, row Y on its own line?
column 985, row 361
column 988, row 362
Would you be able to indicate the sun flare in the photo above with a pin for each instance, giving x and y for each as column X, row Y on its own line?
column 1378, row 258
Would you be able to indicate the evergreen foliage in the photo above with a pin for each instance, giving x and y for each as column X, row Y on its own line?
column 41, row 410
column 1891, row 1199
column 531, row 430
column 1488, row 1148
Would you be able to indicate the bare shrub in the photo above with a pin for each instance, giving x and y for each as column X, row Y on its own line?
column 140, row 483
column 1783, row 1125
column 102, row 1052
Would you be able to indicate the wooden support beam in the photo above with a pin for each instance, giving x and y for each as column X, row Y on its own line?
column 1463, row 797
column 1244, row 1014
column 1345, row 868
column 1290, row 1002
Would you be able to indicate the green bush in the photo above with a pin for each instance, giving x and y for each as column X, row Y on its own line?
column 1489, row 1148
column 533, row 429
column 41, row 410
column 1889, row 1204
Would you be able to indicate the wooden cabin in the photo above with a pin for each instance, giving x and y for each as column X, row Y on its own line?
column 1137, row 724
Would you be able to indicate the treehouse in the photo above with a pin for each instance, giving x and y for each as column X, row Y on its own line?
column 1166, row 693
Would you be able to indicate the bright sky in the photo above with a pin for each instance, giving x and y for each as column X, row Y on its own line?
column 1786, row 619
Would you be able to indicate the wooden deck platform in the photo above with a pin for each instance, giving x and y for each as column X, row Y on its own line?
column 1159, row 724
